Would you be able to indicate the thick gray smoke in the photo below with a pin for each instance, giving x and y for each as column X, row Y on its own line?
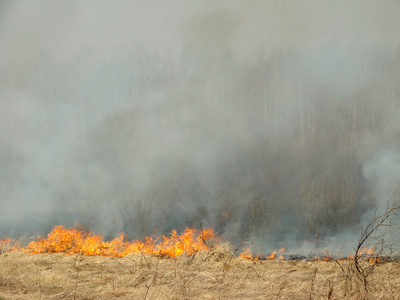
column 271, row 121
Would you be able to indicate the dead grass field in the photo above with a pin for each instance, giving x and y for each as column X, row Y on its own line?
column 206, row 275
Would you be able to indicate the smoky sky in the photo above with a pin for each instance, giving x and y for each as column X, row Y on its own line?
column 271, row 121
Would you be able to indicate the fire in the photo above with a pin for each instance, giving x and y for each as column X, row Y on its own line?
column 281, row 251
column 369, row 255
column 7, row 245
column 246, row 254
column 76, row 240
column 190, row 241
column 367, row 252
column 275, row 256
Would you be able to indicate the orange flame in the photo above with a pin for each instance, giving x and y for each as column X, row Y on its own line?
column 247, row 255
column 281, row 251
column 8, row 245
column 272, row 256
column 76, row 240
column 369, row 255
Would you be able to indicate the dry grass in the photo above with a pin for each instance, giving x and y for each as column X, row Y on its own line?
column 206, row 275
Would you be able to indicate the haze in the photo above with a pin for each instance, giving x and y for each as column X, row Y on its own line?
column 271, row 121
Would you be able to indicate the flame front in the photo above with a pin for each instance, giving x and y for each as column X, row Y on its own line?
column 76, row 240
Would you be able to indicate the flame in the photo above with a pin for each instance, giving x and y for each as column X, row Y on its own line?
column 281, row 251
column 76, row 240
column 367, row 252
column 366, row 255
column 247, row 255
column 272, row 256
column 8, row 245
column 369, row 255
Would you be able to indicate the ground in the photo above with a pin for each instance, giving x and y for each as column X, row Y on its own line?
column 214, row 274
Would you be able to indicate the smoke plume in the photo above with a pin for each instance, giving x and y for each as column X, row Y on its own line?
column 272, row 122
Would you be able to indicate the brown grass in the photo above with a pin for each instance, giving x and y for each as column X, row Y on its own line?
column 206, row 275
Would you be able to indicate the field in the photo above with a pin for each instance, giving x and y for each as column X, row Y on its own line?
column 217, row 274
column 142, row 142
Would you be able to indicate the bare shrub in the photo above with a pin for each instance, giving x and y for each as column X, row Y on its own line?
column 378, row 243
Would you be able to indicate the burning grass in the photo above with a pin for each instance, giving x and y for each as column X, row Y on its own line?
column 76, row 240
column 74, row 264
